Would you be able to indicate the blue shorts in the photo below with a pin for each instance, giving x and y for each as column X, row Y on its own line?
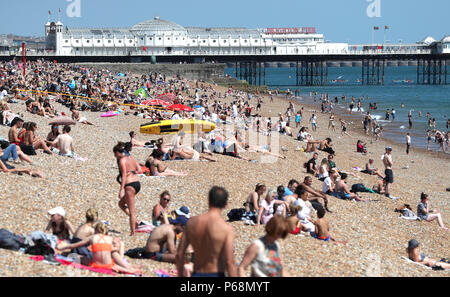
column 153, row 256
column 313, row 234
column 340, row 195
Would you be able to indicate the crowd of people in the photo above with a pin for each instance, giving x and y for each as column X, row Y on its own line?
column 205, row 242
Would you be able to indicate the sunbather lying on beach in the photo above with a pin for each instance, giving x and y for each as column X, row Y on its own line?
column 158, row 168
column 415, row 255
column 107, row 251
column 10, row 169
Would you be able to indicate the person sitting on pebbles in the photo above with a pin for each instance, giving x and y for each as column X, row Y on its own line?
column 161, row 245
column 107, row 251
column 59, row 225
column 322, row 231
column 84, row 231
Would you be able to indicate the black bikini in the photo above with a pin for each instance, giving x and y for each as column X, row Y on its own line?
column 136, row 185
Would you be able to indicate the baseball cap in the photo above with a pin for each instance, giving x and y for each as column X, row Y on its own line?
column 388, row 148
column 412, row 244
column 180, row 220
column 183, row 211
column 57, row 210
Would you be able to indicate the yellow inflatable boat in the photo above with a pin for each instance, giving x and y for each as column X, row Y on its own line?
column 175, row 126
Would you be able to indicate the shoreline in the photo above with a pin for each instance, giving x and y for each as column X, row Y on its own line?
column 353, row 120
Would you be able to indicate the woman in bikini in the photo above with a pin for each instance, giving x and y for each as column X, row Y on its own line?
column 252, row 203
column 129, row 183
column 31, row 142
column 160, row 211
column 157, row 168
column 107, row 251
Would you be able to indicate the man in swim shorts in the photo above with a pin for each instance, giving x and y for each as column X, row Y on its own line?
column 161, row 245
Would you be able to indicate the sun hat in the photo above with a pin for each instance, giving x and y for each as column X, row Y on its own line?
column 57, row 210
column 180, row 220
column 183, row 211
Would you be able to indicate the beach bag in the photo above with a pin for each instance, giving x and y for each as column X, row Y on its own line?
column 360, row 188
column 10, row 241
column 41, row 248
column 236, row 214
column 407, row 213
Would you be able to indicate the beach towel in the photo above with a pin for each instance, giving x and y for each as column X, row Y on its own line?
column 76, row 265
column 411, row 261
column 163, row 273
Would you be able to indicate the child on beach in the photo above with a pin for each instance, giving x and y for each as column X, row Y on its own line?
column 322, row 231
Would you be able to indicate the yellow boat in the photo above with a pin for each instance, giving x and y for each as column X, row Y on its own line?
column 174, row 126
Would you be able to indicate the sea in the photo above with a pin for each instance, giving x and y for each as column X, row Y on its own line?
column 400, row 88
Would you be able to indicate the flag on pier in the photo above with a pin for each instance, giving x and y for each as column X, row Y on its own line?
column 376, row 28
column 386, row 27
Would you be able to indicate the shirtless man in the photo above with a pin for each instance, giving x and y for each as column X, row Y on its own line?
column 161, row 243
column 76, row 115
column 341, row 190
column 389, row 174
column 322, row 231
column 64, row 143
column 315, row 194
column 212, row 240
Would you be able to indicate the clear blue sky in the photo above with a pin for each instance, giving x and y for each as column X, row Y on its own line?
column 340, row 21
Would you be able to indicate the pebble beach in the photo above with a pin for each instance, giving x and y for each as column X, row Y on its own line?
column 377, row 237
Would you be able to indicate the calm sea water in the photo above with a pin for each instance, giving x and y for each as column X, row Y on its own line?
column 434, row 99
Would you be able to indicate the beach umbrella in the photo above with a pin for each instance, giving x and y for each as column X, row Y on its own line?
column 180, row 107
column 156, row 102
column 141, row 91
column 62, row 121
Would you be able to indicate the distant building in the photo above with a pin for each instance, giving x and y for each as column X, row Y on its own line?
column 161, row 37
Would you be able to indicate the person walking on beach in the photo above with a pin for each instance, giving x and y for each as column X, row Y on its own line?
column 408, row 142
column 313, row 121
column 129, row 183
column 393, row 114
column 389, row 174
column 410, row 120
column 212, row 240
column 428, row 139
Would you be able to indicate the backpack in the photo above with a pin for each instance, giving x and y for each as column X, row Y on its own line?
column 4, row 144
column 236, row 214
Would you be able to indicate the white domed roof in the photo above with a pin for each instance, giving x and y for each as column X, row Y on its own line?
column 446, row 39
column 428, row 40
column 158, row 26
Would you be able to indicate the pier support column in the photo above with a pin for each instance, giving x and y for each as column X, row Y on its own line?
column 445, row 71
column 296, row 73
column 264, row 74
column 384, row 63
column 326, row 73
column 418, row 71
column 362, row 72
column 378, row 72
column 429, row 71
column 434, row 72
column 440, row 72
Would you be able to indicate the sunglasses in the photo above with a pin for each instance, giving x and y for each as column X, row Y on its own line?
column 165, row 199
